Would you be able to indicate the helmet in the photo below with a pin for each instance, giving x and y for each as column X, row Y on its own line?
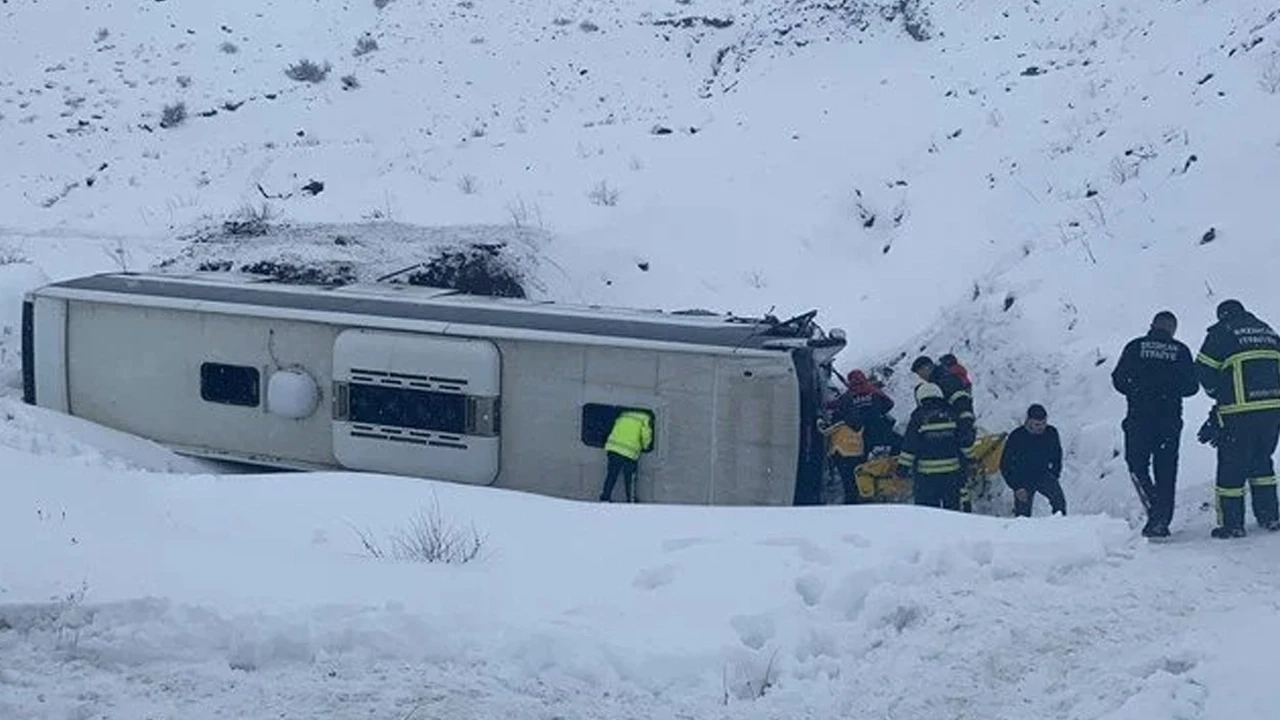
column 924, row 391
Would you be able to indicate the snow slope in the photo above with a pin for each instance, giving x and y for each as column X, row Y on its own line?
column 254, row 597
column 1026, row 186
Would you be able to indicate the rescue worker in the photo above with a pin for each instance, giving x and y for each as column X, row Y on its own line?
column 865, row 407
column 1239, row 367
column 958, row 393
column 631, row 435
column 859, row 425
column 933, row 451
column 1154, row 373
column 1032, row 463
column 954, row 367
column 954, row 393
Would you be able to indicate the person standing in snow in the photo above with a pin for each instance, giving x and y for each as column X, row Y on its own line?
column 632, row 434
column 933, row 451
column 953, row 379
column 951, row 364
column 954, row 393
column 1032, row 463
column 1154, row 373
column 863, row 409
column 1239, row 367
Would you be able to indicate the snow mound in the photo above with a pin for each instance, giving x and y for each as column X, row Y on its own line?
column 482, row 259
column 44, row 433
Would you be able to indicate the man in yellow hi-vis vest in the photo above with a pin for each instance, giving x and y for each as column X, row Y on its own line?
column 632, row 434
column 1239, row 367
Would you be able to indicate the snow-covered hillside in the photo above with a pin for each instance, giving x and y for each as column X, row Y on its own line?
column 1024, row 183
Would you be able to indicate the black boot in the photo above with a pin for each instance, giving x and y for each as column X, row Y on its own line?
column 1227, row 533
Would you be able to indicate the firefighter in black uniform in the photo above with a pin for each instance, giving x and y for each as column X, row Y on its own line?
column 958, row 393
column 954, row 392
column 933, row 451
column 1239, row 367
column 1155, row 373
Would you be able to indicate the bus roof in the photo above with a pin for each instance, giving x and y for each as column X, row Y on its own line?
column 444, row 305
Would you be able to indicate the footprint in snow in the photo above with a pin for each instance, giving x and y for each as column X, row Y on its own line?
column 856, row 540
column 810, row 588
column 678, row 544
column 754, row 631
column 808, row 551
column 654, row 578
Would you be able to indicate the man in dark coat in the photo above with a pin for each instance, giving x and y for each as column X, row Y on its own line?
column 1032, row 463
column 1155, row 373
column 1239, row 367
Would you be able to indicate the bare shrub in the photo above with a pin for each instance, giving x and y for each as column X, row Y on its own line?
column 1269, row 79
column 476, row 269
column 522, row 213
column 562, row 21
column 381, row 3
column 173, row 115
column 10, row 255
column 915, row 19
column 588, row 26
column 250, row 221
column 468, row 185
column 349, row 82
column 306, row 71
column 603, row 194
column 71, row 616
column 364, row 46
column 428, row 537
column 119, row 255
column 1124, row 169
column 229, row 47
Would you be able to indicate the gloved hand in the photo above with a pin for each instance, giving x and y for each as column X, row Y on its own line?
column 1208, row 434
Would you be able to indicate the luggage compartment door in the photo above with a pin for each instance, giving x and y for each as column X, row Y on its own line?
column 421, row 405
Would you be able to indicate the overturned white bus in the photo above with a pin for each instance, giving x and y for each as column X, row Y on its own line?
column 432, row 383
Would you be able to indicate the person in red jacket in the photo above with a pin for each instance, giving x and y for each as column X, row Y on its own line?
column 863, row 408
column 953, row 366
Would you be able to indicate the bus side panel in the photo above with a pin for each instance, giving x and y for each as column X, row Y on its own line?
column 756, row 443
column 170, row 376
column 555, row 396
column 49, row 343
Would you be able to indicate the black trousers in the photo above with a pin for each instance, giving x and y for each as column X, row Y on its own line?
column 1051, row 488
column 1154, row 442
column 847, row 468
column 941, row 491
column 1246, row 444
column 619, row 465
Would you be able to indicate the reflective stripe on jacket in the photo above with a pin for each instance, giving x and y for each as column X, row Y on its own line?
column 1239, row 365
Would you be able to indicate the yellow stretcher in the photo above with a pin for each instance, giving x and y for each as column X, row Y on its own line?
column 878, row 482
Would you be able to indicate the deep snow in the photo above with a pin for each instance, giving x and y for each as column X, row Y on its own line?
column 1041, row 181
